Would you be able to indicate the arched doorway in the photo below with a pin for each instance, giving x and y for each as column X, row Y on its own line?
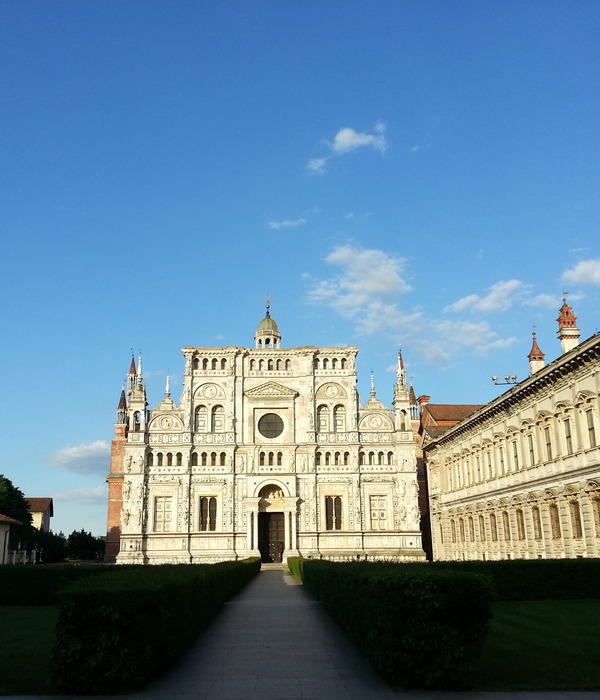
column 271, row 524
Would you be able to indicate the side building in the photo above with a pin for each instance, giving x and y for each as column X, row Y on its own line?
column 268, row 453
column 519, row 478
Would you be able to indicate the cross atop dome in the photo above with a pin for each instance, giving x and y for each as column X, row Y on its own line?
column 267, row 334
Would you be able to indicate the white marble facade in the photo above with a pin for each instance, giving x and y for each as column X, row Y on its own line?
column 268, row 452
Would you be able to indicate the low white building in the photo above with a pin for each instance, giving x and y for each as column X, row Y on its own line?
column 268, row 452
column 520, row 477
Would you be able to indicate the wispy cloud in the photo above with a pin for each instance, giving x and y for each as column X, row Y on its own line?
column 96, row 494
column 286, row 223
column 544, row 301
column 501, row 297
column 585, row 272
column 92, row 458
column 347, row 140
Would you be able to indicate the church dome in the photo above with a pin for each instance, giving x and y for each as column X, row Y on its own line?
column 268, row 325
column 267, row 333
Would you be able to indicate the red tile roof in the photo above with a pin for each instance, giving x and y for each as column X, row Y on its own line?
column 40, row 505
column 9, row 521
column 451, row 412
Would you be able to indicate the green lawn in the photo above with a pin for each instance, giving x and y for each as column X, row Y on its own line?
column 542, row 645
column 27, row 635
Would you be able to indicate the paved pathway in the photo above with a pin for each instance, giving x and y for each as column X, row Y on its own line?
column 272, row 642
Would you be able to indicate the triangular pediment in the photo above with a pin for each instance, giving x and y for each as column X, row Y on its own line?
column 271, row 390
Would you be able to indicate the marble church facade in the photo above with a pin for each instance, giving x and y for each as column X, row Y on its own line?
column 268, row 452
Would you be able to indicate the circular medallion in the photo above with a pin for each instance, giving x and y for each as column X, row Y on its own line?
column 210, row 391
column 375, row 421
column 270, row 425
column 331, row 390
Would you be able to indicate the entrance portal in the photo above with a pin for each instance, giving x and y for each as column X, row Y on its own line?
column 271, row 528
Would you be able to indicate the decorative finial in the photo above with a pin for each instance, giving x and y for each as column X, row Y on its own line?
column 372, row 384
column 168, row 388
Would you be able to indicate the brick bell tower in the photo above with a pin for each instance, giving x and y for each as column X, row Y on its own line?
column 127, row 419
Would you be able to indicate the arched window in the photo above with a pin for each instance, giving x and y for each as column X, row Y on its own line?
column 195, row 363
column 371, row 458
column 150, row 459
column 279, row 458
column 217, row 419
column 213, row 459
column 537, row 523
column 278, row 364
column 336, row 458
column 325, row 363
column 453, row 530
column 261, row 459
column 461, row 526
column 169, row 459
column 159, row 459
column 270, row 365
column 481, row 528
column 252, row 363
column 179, row 459
column 201, row 419
column 288, row 365
column 390, row 457
column 380, row 458
column 520, row 524
column 493, row 527
column 214, row 363
column 194, row 459
column 471, row 529
column 575, row 519
column 339, row 419
column 334, row 363
column 346, row 457
column 327, row 456
column 318, row 459
column 323, row 419
column 223, row 363
column 343, row 363
column 506, row 525
column 204, row 459
column 361, row 458
column 222, row 459
column 270, row 459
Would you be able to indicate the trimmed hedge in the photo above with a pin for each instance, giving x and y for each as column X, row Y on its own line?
column 117, row 632
column 419, row 627
column 535, row 579
column 41, row 584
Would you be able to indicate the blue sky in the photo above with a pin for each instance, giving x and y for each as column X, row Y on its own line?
column 416, row 174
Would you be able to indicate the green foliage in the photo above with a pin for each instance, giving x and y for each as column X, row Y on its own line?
column 51, row 548
column 420, row 627
column 82, row 545
column 40, row 585
column 116, row 632
column 535, row 579
column 14, row 504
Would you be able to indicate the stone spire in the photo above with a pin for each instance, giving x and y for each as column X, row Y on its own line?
column 568, row 333
column 122, row 408
column 536, row 357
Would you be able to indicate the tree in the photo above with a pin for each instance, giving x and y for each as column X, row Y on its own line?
column 83, row 545
column 14, row 504
column 51, row 548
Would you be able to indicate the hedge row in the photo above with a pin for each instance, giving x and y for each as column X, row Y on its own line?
column 40, row 584
column 419, row 627
column 117, row 632
column 535, row 579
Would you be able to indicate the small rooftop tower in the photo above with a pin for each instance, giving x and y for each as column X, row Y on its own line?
column 568, row 333
column 267, row 335
column 536, row 357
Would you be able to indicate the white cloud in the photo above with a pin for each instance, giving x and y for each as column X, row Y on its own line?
column 347, row 140
column 286, row 223
column 501, row 297
column 96, row 494
column 92, row 458
column 317, row 165
column 477, row 336
column 545, row 301
column 585, row 272
column 367, row 290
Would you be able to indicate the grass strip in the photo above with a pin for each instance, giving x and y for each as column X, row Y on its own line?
column 27, row 636
column 541, row 645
